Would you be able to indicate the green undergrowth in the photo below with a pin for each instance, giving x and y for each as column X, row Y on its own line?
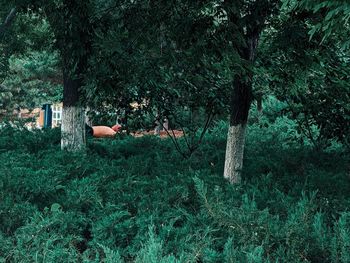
column 138, row 200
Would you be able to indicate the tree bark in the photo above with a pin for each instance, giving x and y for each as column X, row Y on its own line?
column 73, row 128
column 240, row 105
column 234, row 153
column 73, row 116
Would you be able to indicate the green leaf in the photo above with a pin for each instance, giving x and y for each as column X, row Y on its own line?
column 56, row 207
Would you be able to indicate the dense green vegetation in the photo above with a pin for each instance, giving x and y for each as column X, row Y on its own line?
column 274, row 71
column 137, row 200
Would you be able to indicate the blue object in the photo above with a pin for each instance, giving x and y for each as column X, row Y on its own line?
column 47, row 115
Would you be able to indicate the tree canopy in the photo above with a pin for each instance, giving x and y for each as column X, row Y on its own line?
column 184, row 60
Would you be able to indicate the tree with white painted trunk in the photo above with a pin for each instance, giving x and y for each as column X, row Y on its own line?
column 74, row 42
column 71, row 24
column 241, row 98
column 248, row 18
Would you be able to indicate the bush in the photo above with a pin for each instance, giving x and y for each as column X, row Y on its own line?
column 139, row 200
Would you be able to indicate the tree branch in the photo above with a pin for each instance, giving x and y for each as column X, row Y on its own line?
column 8, row 21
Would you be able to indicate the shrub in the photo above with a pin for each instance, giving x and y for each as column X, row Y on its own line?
column 139, row 200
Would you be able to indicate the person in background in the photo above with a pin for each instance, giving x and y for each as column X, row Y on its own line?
column 157, row 127
column 166, row 124
column 118, row 126
column 102, row 131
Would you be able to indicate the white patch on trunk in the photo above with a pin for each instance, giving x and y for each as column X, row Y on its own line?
column 234, row 153
column 73, row 129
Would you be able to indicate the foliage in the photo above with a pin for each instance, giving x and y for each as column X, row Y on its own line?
column 334, row 17
column 310, row 76
column 30, row 74
column 184, row 57
column 32, row 80
column 166, row 65
column 136, row 199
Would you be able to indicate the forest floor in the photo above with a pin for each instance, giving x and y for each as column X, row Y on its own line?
column 162, row 134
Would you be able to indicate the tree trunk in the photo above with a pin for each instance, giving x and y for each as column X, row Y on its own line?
column 73, row 29
column 241, row 98
column 73, row 128
column 73, row 116
column 240, row 104
column 234, row 153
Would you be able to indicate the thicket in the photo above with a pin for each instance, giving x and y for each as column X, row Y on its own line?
column 138, row 200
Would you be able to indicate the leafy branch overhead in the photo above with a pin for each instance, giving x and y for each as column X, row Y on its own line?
column 191, row 62
column 8, row 21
